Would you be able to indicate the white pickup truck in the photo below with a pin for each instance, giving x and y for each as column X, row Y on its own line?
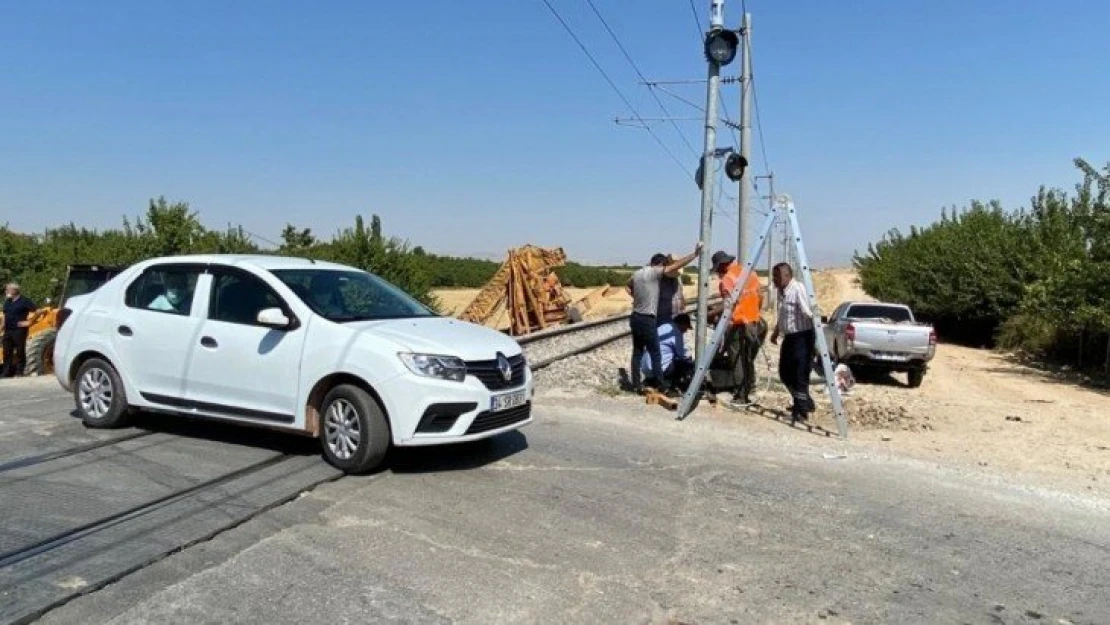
column 881, row 336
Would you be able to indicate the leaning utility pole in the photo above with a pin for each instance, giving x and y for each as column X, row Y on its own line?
column 716, row 21
column 745, row 132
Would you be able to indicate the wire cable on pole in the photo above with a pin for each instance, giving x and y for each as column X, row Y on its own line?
column 616, row 89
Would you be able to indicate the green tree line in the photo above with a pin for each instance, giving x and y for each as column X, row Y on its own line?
column 1035, row 280
column 38, row 261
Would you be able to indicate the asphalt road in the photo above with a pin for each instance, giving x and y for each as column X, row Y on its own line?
column 605, row 511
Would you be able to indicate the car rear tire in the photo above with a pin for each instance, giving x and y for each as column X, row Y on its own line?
column 915, row 377
column 354, row 432
column 99, row 395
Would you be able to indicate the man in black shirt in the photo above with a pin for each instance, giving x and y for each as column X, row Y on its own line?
column 17, row 309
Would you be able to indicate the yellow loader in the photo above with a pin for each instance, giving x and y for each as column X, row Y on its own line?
column 79, row 280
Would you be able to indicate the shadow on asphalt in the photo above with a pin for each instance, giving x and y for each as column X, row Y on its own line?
column 457, row 457
column 440, row 458
column 220, row 432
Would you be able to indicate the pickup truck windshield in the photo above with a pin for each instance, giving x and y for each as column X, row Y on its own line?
column 897, row 314
column 341, row 295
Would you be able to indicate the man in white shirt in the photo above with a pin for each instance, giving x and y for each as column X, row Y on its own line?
column 795, row 323
column 675, row 364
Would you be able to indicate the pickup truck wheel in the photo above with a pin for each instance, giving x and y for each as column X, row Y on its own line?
column 99, row 395
column 354, row 431
column 916, row 376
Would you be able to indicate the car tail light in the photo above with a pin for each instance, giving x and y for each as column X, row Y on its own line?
column 850, row 333
column 63, row 314
column 932, row 338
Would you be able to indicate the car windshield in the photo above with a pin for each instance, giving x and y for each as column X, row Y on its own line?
column 896, row 314
column 350, row 295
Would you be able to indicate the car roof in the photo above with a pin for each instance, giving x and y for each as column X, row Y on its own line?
column 867, row 303
column 258, row 261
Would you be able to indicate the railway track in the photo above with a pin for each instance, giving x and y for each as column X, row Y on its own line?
column 546, row 347
column 78, row 519
column 30, row 461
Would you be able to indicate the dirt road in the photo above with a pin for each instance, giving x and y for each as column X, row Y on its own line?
column 981, row 408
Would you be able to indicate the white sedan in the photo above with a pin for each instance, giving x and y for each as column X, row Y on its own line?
column 312, row 347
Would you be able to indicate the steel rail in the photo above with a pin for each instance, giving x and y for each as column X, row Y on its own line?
column 25, row 552
column 30, row 461
column 589, row 347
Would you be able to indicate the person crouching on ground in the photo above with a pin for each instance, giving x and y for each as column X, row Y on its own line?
column 795, row 323
column 747, row 329
column 644, row 287
column 676, row 364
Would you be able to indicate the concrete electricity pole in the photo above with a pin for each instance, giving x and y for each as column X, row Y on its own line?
column 716, row 21
column 745, row 134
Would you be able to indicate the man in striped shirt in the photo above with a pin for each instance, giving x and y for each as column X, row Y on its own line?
column 795, row 324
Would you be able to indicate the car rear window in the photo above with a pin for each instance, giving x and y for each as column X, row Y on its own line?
column 896, row 314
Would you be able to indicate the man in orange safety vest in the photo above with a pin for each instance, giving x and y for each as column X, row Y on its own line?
column 747, row 330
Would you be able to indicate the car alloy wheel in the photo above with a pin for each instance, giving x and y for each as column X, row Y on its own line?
column 95, row 392
column 342, row 429
column 354, row 431
column 99, row 395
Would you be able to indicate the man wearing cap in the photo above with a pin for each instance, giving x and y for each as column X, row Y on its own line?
column 644, row 287
column 747, row 329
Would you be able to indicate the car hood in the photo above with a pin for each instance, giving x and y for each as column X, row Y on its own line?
column 441, row 335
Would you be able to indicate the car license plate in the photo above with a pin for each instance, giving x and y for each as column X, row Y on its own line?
column 506, row 401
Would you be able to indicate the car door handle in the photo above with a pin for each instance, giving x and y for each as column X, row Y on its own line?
column 208, row 341
column 125, row 331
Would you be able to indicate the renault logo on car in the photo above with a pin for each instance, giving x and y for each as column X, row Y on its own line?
column 504, row 367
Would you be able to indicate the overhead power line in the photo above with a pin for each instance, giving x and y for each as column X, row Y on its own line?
column 616, row 89
column 755, row 103
column 636, row 68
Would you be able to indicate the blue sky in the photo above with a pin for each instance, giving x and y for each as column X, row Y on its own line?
column 474, row 126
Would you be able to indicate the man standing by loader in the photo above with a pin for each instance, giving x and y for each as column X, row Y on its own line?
column 17, row 312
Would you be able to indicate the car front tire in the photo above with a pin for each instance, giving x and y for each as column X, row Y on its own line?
column 354, row 432
column 99, row 395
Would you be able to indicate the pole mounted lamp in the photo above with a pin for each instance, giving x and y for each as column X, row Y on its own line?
column 721, row 46
column 735, row 165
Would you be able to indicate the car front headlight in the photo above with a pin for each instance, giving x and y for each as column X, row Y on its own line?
column 435, row 366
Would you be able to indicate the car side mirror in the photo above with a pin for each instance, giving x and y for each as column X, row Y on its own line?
column 274, row 318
